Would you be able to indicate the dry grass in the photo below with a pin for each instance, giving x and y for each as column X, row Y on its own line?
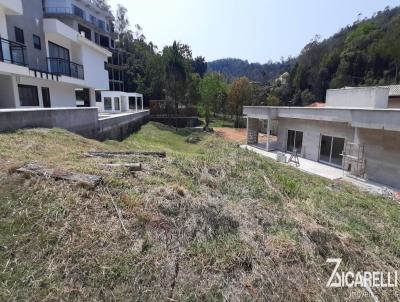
column 211, row 222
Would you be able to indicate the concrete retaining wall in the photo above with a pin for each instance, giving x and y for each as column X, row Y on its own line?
column 120, row 127
column 83, row 121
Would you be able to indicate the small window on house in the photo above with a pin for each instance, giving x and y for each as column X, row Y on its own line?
column 36, row 42
column 19, row 35
column 116, row 104
column 107, row 103
column 98, row 96
column 28, row 95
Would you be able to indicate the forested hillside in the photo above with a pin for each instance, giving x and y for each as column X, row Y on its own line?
column 364, row 53
column 234, row 68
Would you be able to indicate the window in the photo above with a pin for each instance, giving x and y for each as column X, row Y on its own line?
column 36, row 42
column 96, row 38
column 57, row 51
column 46, row 97
column 78, row 12
column 98, row 96
column 28, row 95
column 92, row 19
column 132, row 103
column 116, row 104
column 294, row 141
column 331, row 149
column 101, row 24
column 107, row 103
column 19, row 35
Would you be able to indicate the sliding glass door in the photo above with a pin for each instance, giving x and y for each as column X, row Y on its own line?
column 294, row 141
column 331, row 149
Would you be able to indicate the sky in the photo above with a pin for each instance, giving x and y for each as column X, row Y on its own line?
column 253, row 30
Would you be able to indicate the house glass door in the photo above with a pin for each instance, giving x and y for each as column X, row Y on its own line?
column 331, row 149
column 294, row 141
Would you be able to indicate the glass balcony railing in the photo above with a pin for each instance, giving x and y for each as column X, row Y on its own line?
column 13, row 52
column 64, row 67
column 78, row 12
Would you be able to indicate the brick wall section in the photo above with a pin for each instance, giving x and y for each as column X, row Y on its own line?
column 252, row 131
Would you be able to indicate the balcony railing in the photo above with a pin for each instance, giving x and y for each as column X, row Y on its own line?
column 64, row 67
column 13, row 52
column 76, row 11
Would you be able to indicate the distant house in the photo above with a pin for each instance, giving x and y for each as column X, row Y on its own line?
column 357, row 130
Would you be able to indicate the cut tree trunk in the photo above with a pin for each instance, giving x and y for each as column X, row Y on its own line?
column 126, row 153
column 58, row 174
column 130, row 166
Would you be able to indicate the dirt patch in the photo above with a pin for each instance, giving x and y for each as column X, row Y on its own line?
column 238, row 135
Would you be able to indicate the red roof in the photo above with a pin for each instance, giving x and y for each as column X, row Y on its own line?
column 316, row 104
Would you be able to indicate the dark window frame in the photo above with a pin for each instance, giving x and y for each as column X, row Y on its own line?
column 59, row 47
column 108, row 100
column 35, row 44
column 34, row 94
column 46, row 98
column 19, row 35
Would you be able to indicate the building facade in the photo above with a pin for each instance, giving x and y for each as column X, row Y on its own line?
column 44, row 62
column 356, row 131
column 97, row 26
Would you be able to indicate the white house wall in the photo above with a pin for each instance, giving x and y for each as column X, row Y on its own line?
column 312, row 131
column 8, row 92
column 96, row 75
column 61, row 95
column 382, row 155
column 358, row 97
column 3, row 24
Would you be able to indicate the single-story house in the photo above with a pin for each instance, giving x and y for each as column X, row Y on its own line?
column 357, row 130
column 117, row 101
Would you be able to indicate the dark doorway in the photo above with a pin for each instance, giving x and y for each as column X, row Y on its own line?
column 46, row 97
column 82, row 97
column 294, row 141
column 86, row 31
column 331, row 149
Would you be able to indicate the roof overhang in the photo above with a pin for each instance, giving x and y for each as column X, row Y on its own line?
column 383, row 119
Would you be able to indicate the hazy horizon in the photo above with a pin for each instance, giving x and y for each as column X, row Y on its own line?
column 257, row 31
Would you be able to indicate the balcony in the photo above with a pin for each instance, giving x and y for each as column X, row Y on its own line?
column 60, row 66
column 74, row 11
column 13, row 52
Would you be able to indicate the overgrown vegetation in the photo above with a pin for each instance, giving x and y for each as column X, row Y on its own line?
column 211, row 222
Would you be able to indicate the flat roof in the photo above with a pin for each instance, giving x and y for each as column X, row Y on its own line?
column 370, row 118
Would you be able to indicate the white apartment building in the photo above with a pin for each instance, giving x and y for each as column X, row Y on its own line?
column 44, row 62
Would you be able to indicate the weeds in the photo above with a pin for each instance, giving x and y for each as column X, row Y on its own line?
column 211, row 222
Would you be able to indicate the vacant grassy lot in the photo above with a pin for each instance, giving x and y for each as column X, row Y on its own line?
column 210, row 222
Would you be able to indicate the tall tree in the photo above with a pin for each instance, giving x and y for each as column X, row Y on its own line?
column 239, row 95
column 200, row 66
column 121, row 22
column 175, row 72
column 210, row 89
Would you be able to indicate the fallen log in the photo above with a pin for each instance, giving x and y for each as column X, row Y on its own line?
column 126, row 153
column 130, row 166
column 87, row 180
